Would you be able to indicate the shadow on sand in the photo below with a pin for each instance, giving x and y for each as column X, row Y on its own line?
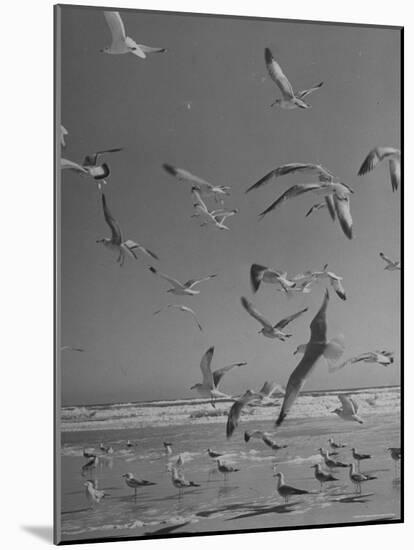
column 166, row 530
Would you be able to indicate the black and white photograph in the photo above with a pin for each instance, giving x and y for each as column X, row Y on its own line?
column 228, row 271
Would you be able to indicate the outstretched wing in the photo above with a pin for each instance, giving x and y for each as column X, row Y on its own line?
column 375, row 156
column 251, row 310
column 132, row 246
column 348, row 405
column 294, row 168
column 186, row 176
column 395, row 172
column 235, row 411
column 304, row 93
column 281, row 324
column 278, row 76
column 206, row 369
column 116, row 235
column 292, row 192
column 193, row 282
column 116, row 26
column 173, row 282
column 219, row 373
column 66, row 164
column 343, row 212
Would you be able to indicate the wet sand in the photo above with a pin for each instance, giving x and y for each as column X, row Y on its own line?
column 247, row 500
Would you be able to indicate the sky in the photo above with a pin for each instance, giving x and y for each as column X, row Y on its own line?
column 204, row 106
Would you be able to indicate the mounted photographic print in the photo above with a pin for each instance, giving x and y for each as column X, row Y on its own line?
column 228, row 237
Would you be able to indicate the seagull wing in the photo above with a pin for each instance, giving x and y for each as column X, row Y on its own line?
column 375, row 156
column 66, row 164
column 294, row 168
column 219, row 373
column 193, row 282
column 63, row 133
column 116, row 235
column 395, row 172
column 315, row 207
column 91, row 160
column 331, row 206
column 173, row 282
column 235, row 411
column 133, row 246
column 347, row 404
column 338, row 287
column 281, row 324
column 278, row 76
column 251, row 310
column 151, row 49
column 190, row 311
column 293, row 191
column 304, row 93
column 200, row 203
column 333, row 351
column 116, row 26
column 186, row 176
column 343, row 212
column 206, row 369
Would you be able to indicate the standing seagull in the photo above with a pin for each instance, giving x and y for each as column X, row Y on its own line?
column 391, row 265
column 290, row 99
column 181, row 308
column 92, row 493
column 182, row 289
column 358, row 478
column 269, row 330
column 121, row 43
column 116, row 241
column 167, row 448
column 286, row 491
column 359, row 456
column 384, row 153
column 179, row 481
column 349, row 409
column 314, row 351
column 211, row 380
column 225, row 468
column 335, row 445
column 322, row 476
column 134, row 483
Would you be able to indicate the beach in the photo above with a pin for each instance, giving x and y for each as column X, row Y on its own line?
column 248, row 498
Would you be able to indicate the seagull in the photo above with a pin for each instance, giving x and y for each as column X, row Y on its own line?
column 322, row 452
column 225, row 468
column 92, row 160
column 307, row 169
column 328, row 203
column 134, row 483
column 116, row 241
column 334, row 280
column 182, row 289
column 103, row 448
column 359, row 456
column 339, row 192
column 391, row 265
column 235, row 411
column 213, row 454
column 179, row 481
column 272, row 443
column 167, row 448
column 269, row 330
column 315, row 349
column 267, row 390
column 211, row 380
column 256, row 434
column 290, row 99
column 262, row 274
column 333, row 351
column 63, row 133
column 92, row 463
column 330, row 462
column 121, row 43
column 129, row 444
column 98, row 173
column 349, row 409
column 204, row 187
column 358, row 478
column 384, row 153
column 88, row 455
column 335, row 445
column 211, row 217
column 71, row 348
column 383, row 357
column 93, row 494
column 286, row 491
column 181, row 308
column 322, row 476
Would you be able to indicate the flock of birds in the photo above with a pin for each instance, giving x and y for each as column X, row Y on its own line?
column 335, row 196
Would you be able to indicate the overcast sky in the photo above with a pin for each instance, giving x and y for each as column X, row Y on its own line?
column 204, row 106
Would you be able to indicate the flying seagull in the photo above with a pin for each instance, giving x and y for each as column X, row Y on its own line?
column 262, row 274
column 116, row 241
column 334, row 280
column 211, row 379
column 391, row 265
column 315, row 349
column 235, row 411
column 206, row 188
column 182, row 289
column 121, row 43
column 290, row 99
column 384, row 358
column 328, row 203
column 92, row 160
column 98, row 173
column 268, row 329
column 211, row 217
column 349, row 409
column 384, row 153
column 300, row 168
column 181, row 308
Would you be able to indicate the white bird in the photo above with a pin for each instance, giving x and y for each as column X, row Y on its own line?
column 267, row 390
column 268, row 329
column 213, row 454
column 121, row 43
column 91, row 464
column 182, row 289
column 210, row 217
column 116, row 241
column 262, row 274
column 358, row 478
column 211, row 379
column 333, row 351
column 290, row 99
column 359, row 456
column 335, row 445
column 328, row 203
column 330, row 462
column 134, row 483
column 292, row 168
column 206, row 188
column 349, row 409
column 226, row 468
column 321, row 476
column 63, row 133
column 179, row 481
column 181, row 308
column 339, row 192
column 315, row 349
column 383, row 357
column 384, row 153
column 92, row 493
column 286, row 491
column 235, row 411
column 334, row 280
column 391, row 265
column 97, row 173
